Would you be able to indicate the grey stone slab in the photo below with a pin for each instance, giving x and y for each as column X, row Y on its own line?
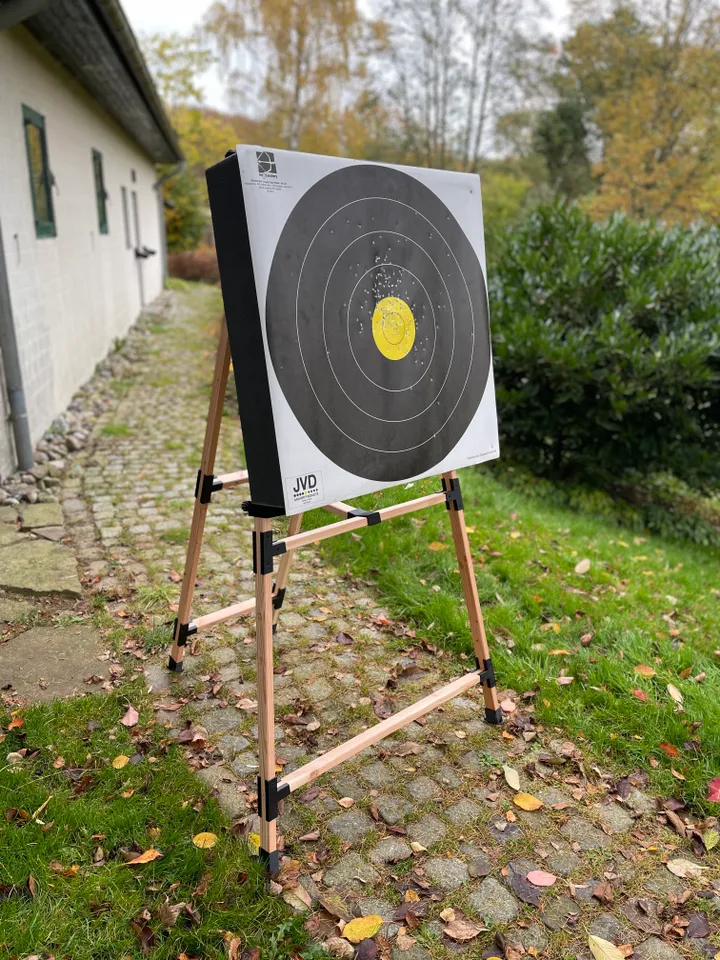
column 562, row 862
column 559, row 911
column 222, row 720
column 505, row 832
column 367, row 906
column 44, row 663
column 351, row 826
column 245, row 764
column 533, row 936
column 493, row 903
column 655, row 949
column 415, row 952
column 319, row 690
column 612, row 816
column 462, row 813
column 346, row 786
column 610, row 928
column 10, row 536
column 551, row 795
column 231, row 744
column 391, row 850
column 158, row 677
column 351, row 874
column 39, row 567
column 584, row 834
column 639, row 803
column 393, row 809
column 42, row 515
column 448, row 777
column 448, row 873
column 13, row 611
column 661, row 882
column 427, row 830
column 377, row 774
column 423, row 789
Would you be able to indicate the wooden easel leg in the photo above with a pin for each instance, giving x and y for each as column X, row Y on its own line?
column 493, row 712
column 267, row 780
column 202, row 500
column 284, row 570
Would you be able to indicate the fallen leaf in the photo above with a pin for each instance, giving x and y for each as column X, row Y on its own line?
column 347, row 802
column 436, row 545
column 130, row 718
column 205, row 840
column 564, row 681
column 582, row 566
column 675, row 693
column 168, row 913
column 711, row 839
column 448, row 915
column 640, row 694
column 684, row 868
column 462, row 930
column 604, row 950
column 337, row 947
column 670, row 750
column 362, row 928
column 253, row 842
column 146, row 857
column 714, row 790
column 418, row 847
column 512, row 777
column 698, row 926
column 644, row 671
column 676, row 774
column 541, row 879
column 313, row 835
column 16, row 723
column 120, row 761
column 526, row 801
column 604, row 892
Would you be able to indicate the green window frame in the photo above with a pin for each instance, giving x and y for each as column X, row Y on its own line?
column 41, row 179
column 100, row 193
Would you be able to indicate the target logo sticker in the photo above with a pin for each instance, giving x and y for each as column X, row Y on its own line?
column 304, row 489
column 266, row 163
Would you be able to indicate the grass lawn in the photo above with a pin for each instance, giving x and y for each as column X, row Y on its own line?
column 71, row 821
column 645, row 616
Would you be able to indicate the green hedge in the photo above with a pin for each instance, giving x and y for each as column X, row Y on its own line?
column 606, row 340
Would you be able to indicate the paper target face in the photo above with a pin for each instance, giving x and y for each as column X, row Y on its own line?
column 373, row 303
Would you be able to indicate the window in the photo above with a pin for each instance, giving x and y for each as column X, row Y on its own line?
column 126, row 218
column 100, row 195
column 40, row 176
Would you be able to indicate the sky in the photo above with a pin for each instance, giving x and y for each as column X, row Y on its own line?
column 167, row 16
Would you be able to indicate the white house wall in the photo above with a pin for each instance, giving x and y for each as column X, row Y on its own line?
column 73, row 294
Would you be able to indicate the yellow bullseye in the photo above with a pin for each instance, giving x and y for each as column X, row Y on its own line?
column 393, row 328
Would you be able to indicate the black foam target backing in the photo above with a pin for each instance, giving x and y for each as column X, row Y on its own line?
column 377, row 322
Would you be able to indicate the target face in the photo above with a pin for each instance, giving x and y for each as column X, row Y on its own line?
column 373, row 304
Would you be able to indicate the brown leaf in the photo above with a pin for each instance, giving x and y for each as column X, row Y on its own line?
column 382, row 708
column 462, row 930
column 168, row 913
column 131, row 717
column 313, row 835
column 698, row 926
column 604, row 892
column 147, row 857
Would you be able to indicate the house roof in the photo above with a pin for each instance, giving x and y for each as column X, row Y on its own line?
column 93, row 41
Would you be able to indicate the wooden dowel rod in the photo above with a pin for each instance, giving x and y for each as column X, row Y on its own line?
column 233, row 479
column 265, row 695
column 227, row 613
column 340, row 509
column 354, row 523
column 310, row 771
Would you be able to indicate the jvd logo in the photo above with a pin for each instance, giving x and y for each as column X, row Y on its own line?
column 305, row 485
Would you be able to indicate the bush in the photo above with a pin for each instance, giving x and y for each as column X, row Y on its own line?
column 607, row 348
column 185, row 218
column 200, row 264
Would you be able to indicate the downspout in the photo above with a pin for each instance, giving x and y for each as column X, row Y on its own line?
column 157, row 186
column 13, row 373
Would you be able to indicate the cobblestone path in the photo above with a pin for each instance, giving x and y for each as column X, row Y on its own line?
column 427, row 821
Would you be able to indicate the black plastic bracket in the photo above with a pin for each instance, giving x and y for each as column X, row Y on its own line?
column 271, row 860
column 182, row 631
column 274, row 793
column 254, row 509
column 494, row 716
column 372, row 516
column 453, row 494
column 487, row 673
column 174, row 666
column 265, row 552
column 209, row 486
column 278, row 598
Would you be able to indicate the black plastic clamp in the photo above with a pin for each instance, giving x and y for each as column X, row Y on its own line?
column 268, row 552
column 254, row 509
column 487, row 673
column 274, row 793
column 210, row 485
column 278, row 598
column 182, row 631
column 271, row 860
column 453, row 494
column 372, row 516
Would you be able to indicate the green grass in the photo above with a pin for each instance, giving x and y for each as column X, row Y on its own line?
column 96, row 817
column 116, row 430
column 645, row 602
column 178, row 535
column 157, row 597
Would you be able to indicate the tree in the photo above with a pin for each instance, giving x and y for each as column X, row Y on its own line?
column 454, row 66
column 650, row 79
column 560, row 137
column 185, row 219
column 300, row 64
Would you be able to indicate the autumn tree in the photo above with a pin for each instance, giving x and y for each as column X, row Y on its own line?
column 560, row 137
column 300, row 66
column 649, row 77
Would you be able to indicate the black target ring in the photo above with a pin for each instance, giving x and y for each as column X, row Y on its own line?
column 366, row 235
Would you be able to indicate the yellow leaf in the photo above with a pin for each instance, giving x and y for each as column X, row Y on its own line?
column 436, row 545
column 418, row 847
column 515, row 535
column 526, row 801
column 127, row 794
column 205, row 840
column 253, row 842
column 582, row 566
column 644, row 670
column 711, row 839
column 120, row 761
column 362, row 928
column 604, row 950
column 146, row 857
column 411, row 896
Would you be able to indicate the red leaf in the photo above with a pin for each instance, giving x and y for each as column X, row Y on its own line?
column 670, row 750
column 714, row 790
column 640, row 694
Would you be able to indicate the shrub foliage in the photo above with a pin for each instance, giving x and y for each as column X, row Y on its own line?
column 607, row 348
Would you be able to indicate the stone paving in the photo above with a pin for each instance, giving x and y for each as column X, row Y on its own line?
column 423, row 829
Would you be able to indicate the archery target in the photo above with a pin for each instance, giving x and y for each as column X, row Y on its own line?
column 373, row 303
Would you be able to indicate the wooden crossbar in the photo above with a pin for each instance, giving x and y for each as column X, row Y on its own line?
column 233, row 479
column 310, row 771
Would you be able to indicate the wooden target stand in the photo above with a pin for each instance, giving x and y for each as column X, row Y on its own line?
column 269, row 597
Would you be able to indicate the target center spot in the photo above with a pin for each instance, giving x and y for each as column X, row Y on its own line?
column 393, row 328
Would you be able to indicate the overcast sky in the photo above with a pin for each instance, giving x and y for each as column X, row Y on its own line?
column 166, row 16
